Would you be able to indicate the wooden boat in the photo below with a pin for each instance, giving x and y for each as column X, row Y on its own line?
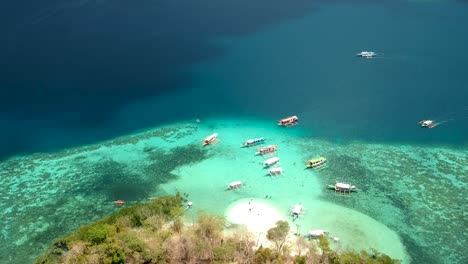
column 235, row 185
column 119, row 202
column 210, row 139
column 320, row 162
column 288, row 121
column 253, row 142
column 343, row 187
column 267, row 149
column 275, row 171
column 270, row 162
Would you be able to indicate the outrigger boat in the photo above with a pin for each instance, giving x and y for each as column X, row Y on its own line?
column 317, row 163
column 275, row 171
column 119, row 202
column 210, row 139
column 317, row 233
column 235, row 185
column 253, row 142
column 296, row 211
column 367, row 54
column 343, row 187
column 267, row 149
column 288, row 121
column 427, row 123
column 270, row 162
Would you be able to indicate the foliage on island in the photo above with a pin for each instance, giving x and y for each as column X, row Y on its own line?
column 154, row 233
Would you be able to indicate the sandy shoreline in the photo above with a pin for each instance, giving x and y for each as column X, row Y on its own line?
column 258, row 215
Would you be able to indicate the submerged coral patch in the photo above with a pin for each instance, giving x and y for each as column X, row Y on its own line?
column 45, row 196
column 422, row 186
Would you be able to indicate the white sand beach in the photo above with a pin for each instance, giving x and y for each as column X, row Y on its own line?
column 258, row 215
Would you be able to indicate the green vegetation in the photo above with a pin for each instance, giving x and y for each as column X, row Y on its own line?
column 154, row 233
column 278, row 234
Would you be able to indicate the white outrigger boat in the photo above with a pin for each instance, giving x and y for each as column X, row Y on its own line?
column 315, row 233
column 367, row 54
column 253, row 142
column 275, row 171
column 427, row 123
column 213, row 138
column 235, row 185
column 296, row 211
column 271, row 161
column 342, row 187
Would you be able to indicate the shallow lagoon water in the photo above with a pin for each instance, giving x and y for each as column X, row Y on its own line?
column 404, row 206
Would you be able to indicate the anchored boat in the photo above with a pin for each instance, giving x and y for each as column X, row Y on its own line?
column 317, row 233
column 267, row 149
column 275, row 171
column 320, row 162
column 253, row 142
column 119, row 202
column 296, row 211
column 235, row 185
column 343, row 187
column 288, row 121
column 270, row 162
column 210, row 139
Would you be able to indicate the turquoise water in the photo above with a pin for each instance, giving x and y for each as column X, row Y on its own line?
column 409, row 203
column 239, row 77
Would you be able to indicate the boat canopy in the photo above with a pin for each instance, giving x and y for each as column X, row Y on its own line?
column 316, row 233
column 235, row 184
column 317, row 160
column 341, row 185
column 253, row 141
column 267, row 149
column 289, row 119
column 297, row 209
column 276, row 170
column 270, row 161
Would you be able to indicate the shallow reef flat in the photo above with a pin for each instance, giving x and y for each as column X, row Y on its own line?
column 413, row 195
column 47, row 195
column 418, row 191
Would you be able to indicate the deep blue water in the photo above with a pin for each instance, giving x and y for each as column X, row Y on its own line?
column 77, row 72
